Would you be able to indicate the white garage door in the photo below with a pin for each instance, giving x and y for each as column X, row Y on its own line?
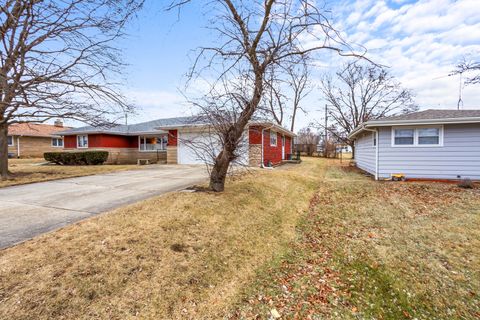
column 201, row 148
column 196, row 148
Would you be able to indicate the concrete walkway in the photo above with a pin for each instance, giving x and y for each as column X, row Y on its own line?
column 30, row 210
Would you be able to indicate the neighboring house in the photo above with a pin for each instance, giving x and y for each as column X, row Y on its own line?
column 431, row 144
column 184, row 140
column 343, row 148
column 33, row 140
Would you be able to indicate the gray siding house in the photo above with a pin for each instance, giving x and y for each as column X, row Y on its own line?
column 431, row 144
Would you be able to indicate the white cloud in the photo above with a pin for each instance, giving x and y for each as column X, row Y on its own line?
column 421, row 42
column 157, row 104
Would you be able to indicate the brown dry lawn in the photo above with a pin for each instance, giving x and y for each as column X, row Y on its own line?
column 376, row 250
column 183, row 255
column 34, row 170
column 313, row 241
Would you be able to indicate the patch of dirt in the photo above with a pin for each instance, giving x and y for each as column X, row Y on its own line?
column 197, row 188
column 425, row 193
column 351, row 169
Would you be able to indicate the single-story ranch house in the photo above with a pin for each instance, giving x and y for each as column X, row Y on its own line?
column 179, row 141
column 431, row 144
column 28, row 140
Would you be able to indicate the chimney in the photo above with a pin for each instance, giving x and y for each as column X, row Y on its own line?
column 58, row 123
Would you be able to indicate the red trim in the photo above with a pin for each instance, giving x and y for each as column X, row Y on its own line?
column 448, row 181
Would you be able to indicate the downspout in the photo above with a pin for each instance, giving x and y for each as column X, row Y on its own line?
column 18, row 146
column 262, row 165
column 375, row 131
column 263, row 141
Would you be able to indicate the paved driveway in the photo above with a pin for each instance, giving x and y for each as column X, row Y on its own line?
column 29, row 210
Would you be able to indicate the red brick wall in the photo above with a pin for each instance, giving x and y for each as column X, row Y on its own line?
column 70, row 142
column 172, row 138
column 255, row 135
column 103, row 141
column 272, row 153
column 288, row 146
column 113, row 141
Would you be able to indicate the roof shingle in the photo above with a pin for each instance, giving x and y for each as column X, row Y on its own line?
column 34, row 130
column 144, row 127
column 433, row 114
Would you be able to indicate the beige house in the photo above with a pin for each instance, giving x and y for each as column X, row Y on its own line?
column 28, row 140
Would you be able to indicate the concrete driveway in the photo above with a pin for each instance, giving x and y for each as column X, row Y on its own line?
column 29, row 210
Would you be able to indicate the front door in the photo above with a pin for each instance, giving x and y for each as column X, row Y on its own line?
column 283, row 147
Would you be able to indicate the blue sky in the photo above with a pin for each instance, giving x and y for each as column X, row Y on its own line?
column 420, row 41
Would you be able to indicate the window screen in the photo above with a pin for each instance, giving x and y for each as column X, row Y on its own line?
column 404, row 136
column 429, row 136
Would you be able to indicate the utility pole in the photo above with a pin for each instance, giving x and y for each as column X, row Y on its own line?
column 325, row 137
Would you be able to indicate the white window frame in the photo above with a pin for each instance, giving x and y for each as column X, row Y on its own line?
column 415, row 137
column 58, row 139
column 144, row 137
column 84, row 147
column 13, row 141
column 273, row 134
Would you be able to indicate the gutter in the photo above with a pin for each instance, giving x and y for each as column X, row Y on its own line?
column 423, row 121
column 250, row 123
column 131, row 134
column 378, row 123
column 18, row 146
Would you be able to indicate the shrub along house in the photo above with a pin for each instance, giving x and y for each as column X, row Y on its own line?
column 431, row 144
column 29, row 140
column 183, row 140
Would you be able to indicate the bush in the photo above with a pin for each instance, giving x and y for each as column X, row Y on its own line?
column 96, row 157
column 77, row 158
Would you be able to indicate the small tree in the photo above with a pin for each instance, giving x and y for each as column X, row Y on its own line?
column 255, row 37
column 57, row 60
column 359, row 93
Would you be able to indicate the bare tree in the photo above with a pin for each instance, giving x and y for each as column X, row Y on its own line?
column 285, row 92
column 255, row 36
column 359, row 93
column 274, row 99
column 469, row 67
column 307, row 141
column 57, row 60
column 299, row 82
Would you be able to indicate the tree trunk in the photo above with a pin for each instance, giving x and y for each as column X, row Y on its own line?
column 292, row 124
column 353, row 150
column 3, row 152
column 219, row 172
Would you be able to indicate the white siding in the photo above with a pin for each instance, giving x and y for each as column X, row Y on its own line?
column 365, row 152
column 459, row 155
